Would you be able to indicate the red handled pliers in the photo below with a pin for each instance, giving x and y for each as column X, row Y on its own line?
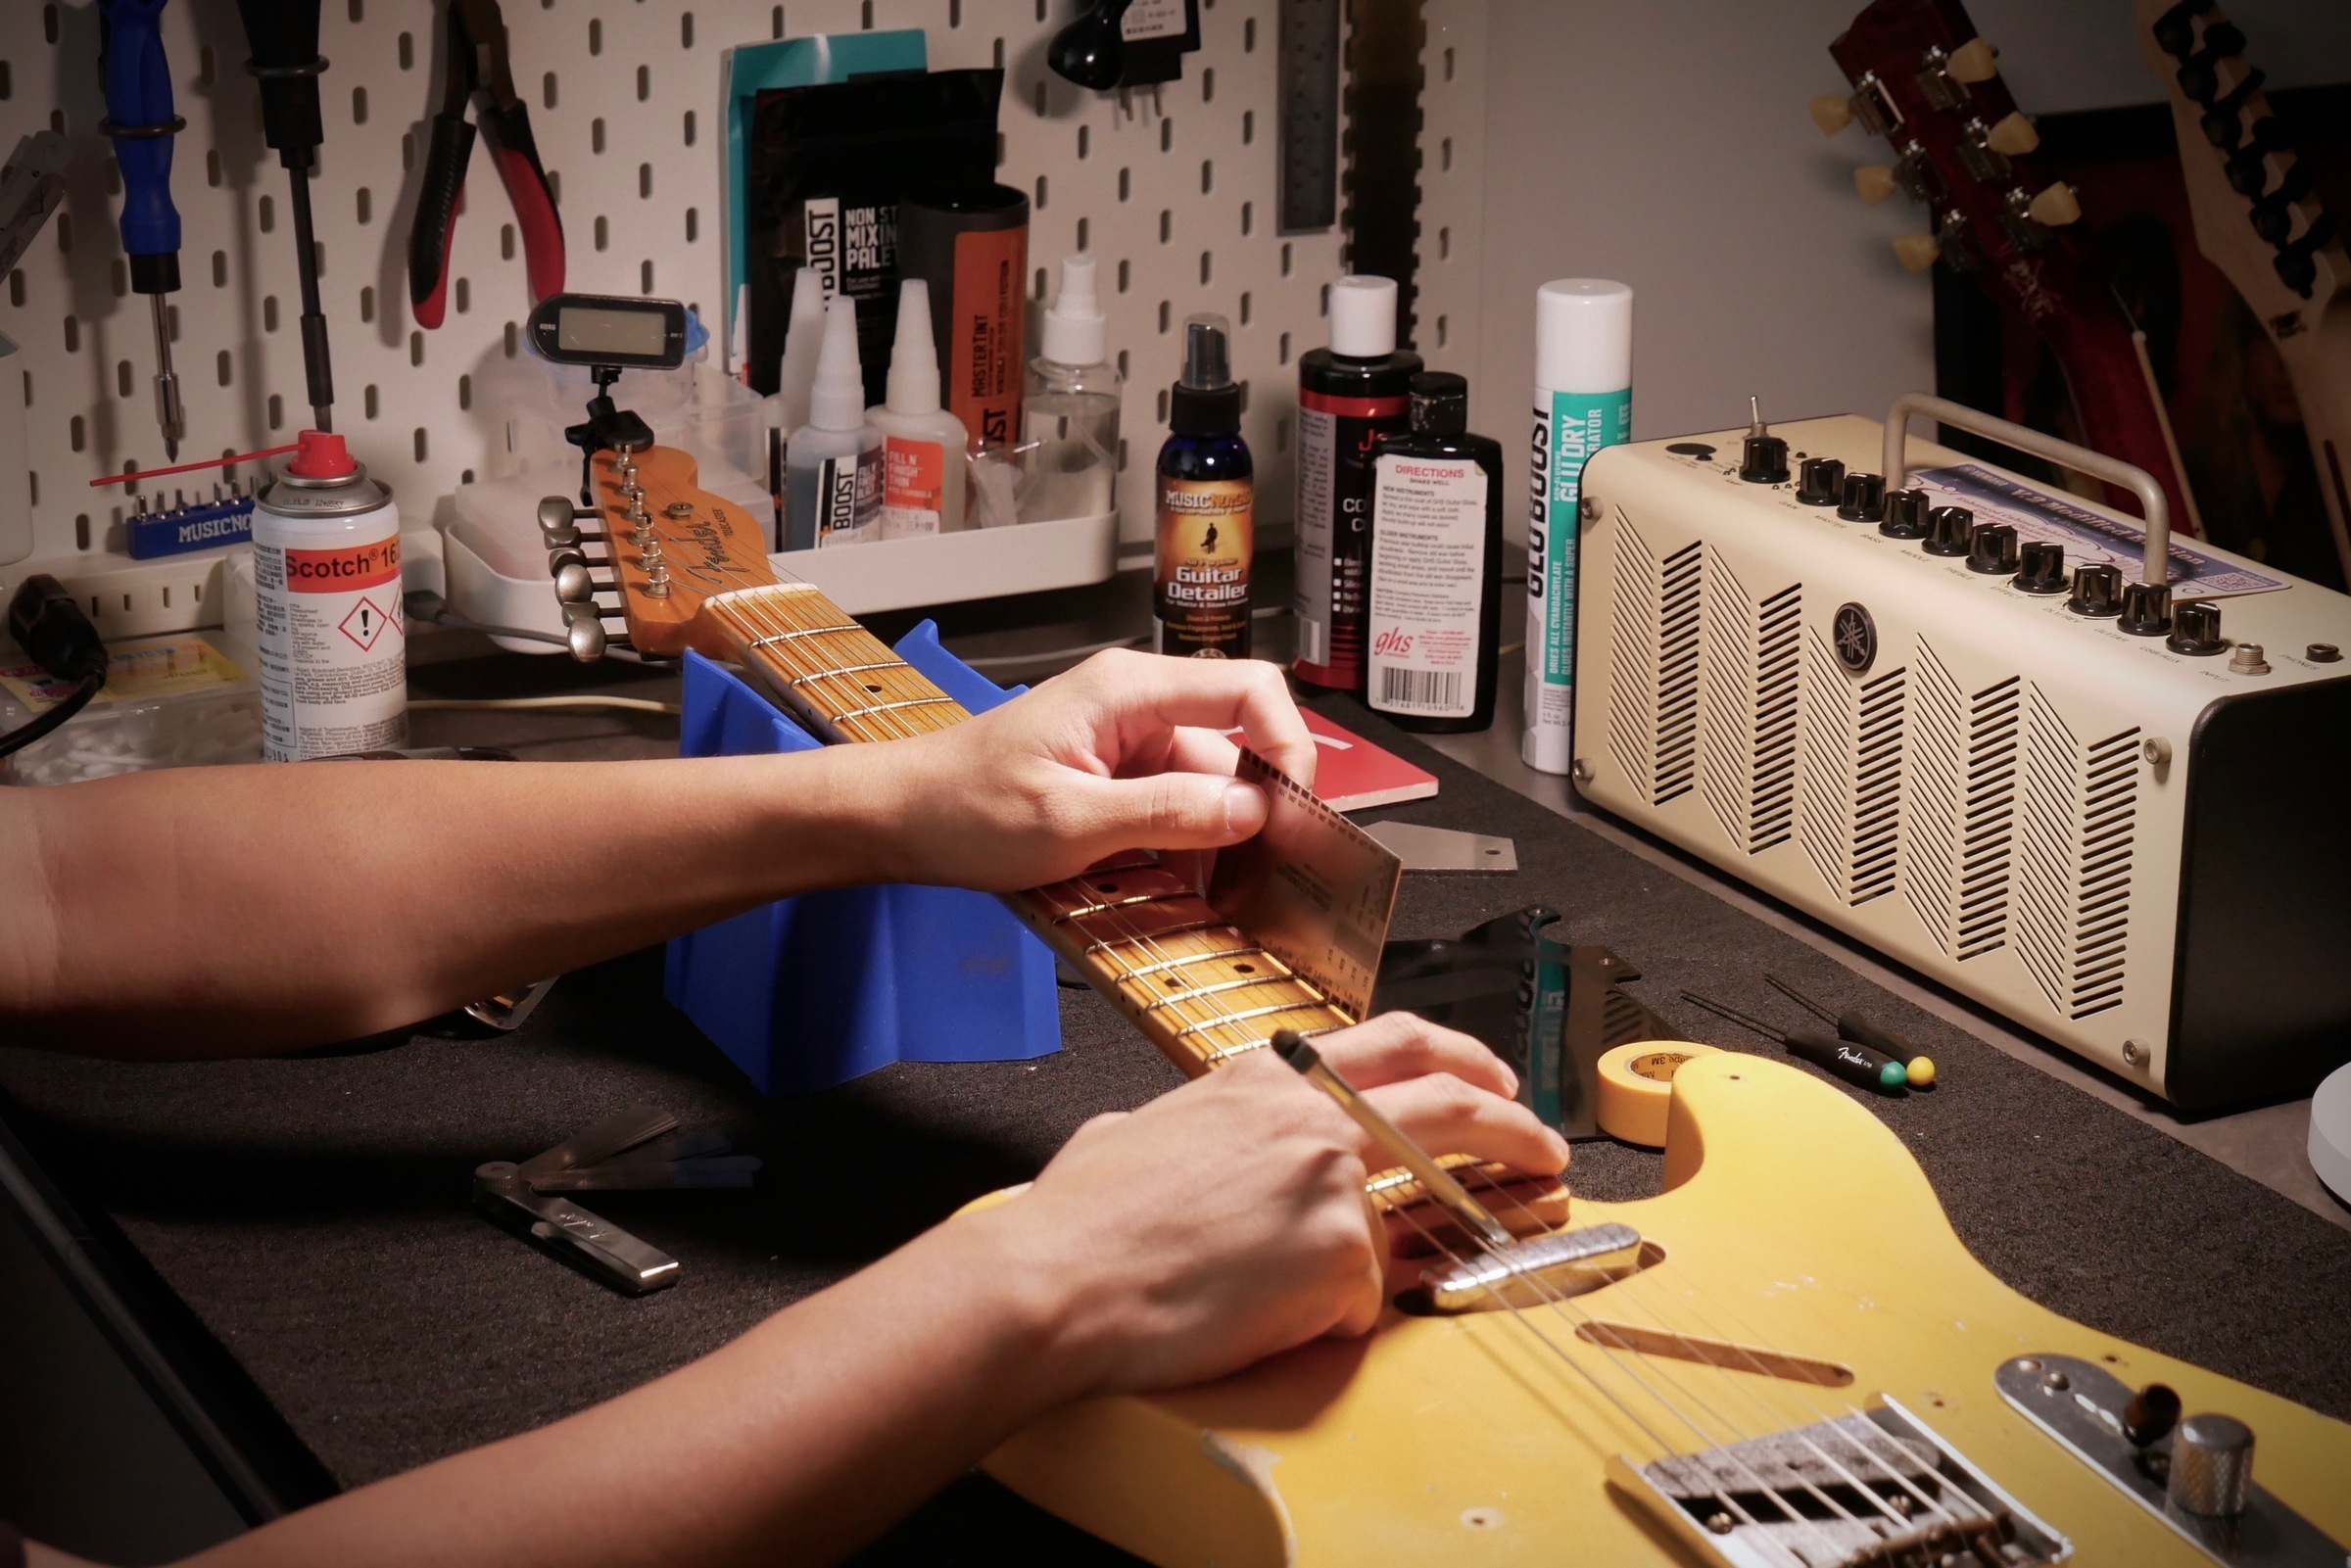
column 478, row 64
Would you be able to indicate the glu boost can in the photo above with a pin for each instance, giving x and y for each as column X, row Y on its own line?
column 326, row 577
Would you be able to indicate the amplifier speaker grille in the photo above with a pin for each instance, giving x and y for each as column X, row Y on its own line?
column 2074, row 879
column 1653, row 665
column 1748, row 707
column 1849, row 789
column 1963, row 759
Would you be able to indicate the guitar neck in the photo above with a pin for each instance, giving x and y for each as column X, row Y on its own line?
column 1196, row 984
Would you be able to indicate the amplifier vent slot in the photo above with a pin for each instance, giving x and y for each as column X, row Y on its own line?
column 1746, row 747
column 1962, row 791
column 2074, row 882
column 1850, row 788
column 1653, row 665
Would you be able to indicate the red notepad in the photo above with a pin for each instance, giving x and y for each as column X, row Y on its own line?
column 1352, row 772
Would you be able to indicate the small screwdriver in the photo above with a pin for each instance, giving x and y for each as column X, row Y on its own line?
column 139, row 119
column 1855, row 1063
column 1916, row 1064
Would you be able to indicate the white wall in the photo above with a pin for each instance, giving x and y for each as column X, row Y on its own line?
column 1665, row 143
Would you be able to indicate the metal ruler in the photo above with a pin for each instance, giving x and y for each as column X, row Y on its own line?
column 1308, row 68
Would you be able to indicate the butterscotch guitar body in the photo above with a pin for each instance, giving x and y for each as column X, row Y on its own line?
column 1793, row 1222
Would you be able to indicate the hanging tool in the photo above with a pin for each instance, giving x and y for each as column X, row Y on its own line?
column 478, row 64
column 1917, row 1065
column 635, row 1150
column 1855, row 1063
column 139, row 119
column 32, row 182
column 283, row 36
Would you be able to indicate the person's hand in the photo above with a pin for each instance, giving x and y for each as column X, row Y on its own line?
column 1227, row 1220
column 1125, row 751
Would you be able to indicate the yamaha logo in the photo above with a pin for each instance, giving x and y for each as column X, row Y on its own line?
column 1856, row 636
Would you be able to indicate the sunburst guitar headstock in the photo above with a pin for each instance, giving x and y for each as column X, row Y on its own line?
column 650, row 552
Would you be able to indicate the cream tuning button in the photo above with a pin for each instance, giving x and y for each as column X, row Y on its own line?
column 1917, row 252
column 1973, row 61
column 2055, row 207
column 1875, row 182
column 2012, row 135
column 1831, row 112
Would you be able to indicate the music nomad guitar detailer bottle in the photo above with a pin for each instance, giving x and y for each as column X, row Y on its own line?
column 1207, row 533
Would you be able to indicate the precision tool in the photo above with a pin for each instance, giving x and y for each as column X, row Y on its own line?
column 637, row 1150
column 283, row 36
column 1849, row 1060
column 139, row 119
column 1425, row 848
column 32, row 182
column 1916, row 1064
column 478, row 64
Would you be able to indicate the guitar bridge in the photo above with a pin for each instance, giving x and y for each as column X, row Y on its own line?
column 1874, row 1490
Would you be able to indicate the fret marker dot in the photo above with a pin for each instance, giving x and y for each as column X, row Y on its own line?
column 1244, row 968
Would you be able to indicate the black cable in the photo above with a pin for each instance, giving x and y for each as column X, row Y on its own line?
column 46, row 623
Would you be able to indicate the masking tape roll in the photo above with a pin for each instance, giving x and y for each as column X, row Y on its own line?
column 1636, row 1087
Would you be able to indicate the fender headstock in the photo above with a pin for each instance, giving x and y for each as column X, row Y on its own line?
column 652, row 549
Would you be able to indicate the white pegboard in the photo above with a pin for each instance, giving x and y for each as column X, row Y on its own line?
column 1173, row 190
column 1453, row 199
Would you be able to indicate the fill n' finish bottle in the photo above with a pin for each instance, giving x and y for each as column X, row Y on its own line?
column 1349, row 395
column 1207, row 533
column 1433, row 600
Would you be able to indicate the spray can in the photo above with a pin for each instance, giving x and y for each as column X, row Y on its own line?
column 332, row 650
column 1583, row 402
column 1207, row 530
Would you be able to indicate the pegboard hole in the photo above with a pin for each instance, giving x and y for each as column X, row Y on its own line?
column 775, row 22
column 1039, row 291
column 1444, row 243
column 77, row 432
column 121, row 378
column 645, row 276
column 408, row 154
column 1208, row 86
column 203, row 67
column 1282, row 435
column 1285, row 259
column 1248, row 217
column 1082, row 226
column 1125, row 276
column 212, row 166
column 604, row 233
column 1448, row 64
column 505, row 242
column 464, row 392
column 268, row 313
column 407, row 50
column 689, row 128
column 694, row 224
column 954, row 13
column 1443, row 331
column 415, row 348
column 596, row 136
column 82, row 536
column 1249, row 36
column 512, row 339
column 1122, row 364
column 219, row 270
column 1163, row 406
column 865, row 20
column 370, row 403
column 645, row 182
column 367, row 304
column 1208, row 175
column 15, row 286
column 1040, row 193
column 264, row 216
column 1206, row 259
column 421, row 444
column 686, row 29
column 1085, row 140
column 1122, row 455
column 49, row 22
column 1248, row 127
column 1037, row 100
column 1164, row 318
column 995, row 53
column 595, row 35
column 1166, row 225
column 1445, row 156
column 358, row 106
column 644, row 82
column 1126, row 183
column 1166, row 135
column 1245, row 303
column 1285, row 349
column 74, row 333
column 464, row 295
column 364, row 200
column 223, row 368
column 277, row 411
column 118, row 275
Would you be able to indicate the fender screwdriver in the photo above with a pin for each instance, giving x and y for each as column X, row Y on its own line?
column 1919, row 1066
column 1856, row 1064
column 139, row 119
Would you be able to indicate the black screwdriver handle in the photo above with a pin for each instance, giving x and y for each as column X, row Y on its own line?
column 1855, row 1063
column 1853, row 1026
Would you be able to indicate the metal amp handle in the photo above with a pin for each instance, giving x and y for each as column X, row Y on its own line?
column 2064, row 453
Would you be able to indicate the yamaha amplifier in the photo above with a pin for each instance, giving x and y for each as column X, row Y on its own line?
column 1951, row 712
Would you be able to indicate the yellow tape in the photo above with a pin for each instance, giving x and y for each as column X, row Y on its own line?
column 1636, row 1087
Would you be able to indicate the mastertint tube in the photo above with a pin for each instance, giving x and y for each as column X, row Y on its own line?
column 1350, row 394
column 1583, row 402
column 332, row 646
column 972, row 249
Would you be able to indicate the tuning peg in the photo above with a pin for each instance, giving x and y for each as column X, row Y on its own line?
column 1875, row 182
column 1831, row 112
column 1973, row 61
column 573, row 585
column 1917, row 252
column 586, row 639
column 2055, row 207
column 2012, row 135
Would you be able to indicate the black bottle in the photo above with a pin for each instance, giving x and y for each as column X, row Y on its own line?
column 1207, row 528
column 1433, row 599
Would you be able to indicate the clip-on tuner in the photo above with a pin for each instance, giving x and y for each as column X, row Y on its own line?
column 609, row 334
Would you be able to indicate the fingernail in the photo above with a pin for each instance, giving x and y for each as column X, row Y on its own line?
column 1244, row 809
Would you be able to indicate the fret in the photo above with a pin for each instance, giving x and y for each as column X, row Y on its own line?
column 848, row 669
column 1105, row 943
column 1243, row 983
column 1249, row 1012
column 1210, row 958
column 1223, row 1053
column 786, row 637
column 847, row 715
column 1092, row 910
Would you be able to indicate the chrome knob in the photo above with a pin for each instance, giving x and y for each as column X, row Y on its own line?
column 573, row 585
column 581, row 612
column 586, row 637
column 555, row 512
column 2212, row 1465
column 557, row 559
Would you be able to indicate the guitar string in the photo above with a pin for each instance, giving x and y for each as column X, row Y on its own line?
column 772, row 620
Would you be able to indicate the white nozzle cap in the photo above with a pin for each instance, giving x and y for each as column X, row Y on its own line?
column 1362, row 316
column 1583, row 336
column 1076, row 330
column 913, row 387
column 838, row 399
column 803, row 330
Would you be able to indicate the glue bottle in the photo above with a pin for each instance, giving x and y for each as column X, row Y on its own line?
column 923, row 476
column 1207, row 528
column 332, row 646
column 833, row 465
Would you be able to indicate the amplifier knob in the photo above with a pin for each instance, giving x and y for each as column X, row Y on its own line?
column 1820, row 481
column 1992, row 549
column 2146, row 609
column 1948, row 530
column 2097, row 591
column 2196, row 628
column 2211, row 1464
column 1864, row 498
column 1763, row 461
column 2043, row 568
column 1905, row 515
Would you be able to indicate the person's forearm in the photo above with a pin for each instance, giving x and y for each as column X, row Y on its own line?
column 187, row 913
column 796, row 1443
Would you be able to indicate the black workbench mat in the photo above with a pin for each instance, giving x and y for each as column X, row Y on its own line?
column 313, row 1211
